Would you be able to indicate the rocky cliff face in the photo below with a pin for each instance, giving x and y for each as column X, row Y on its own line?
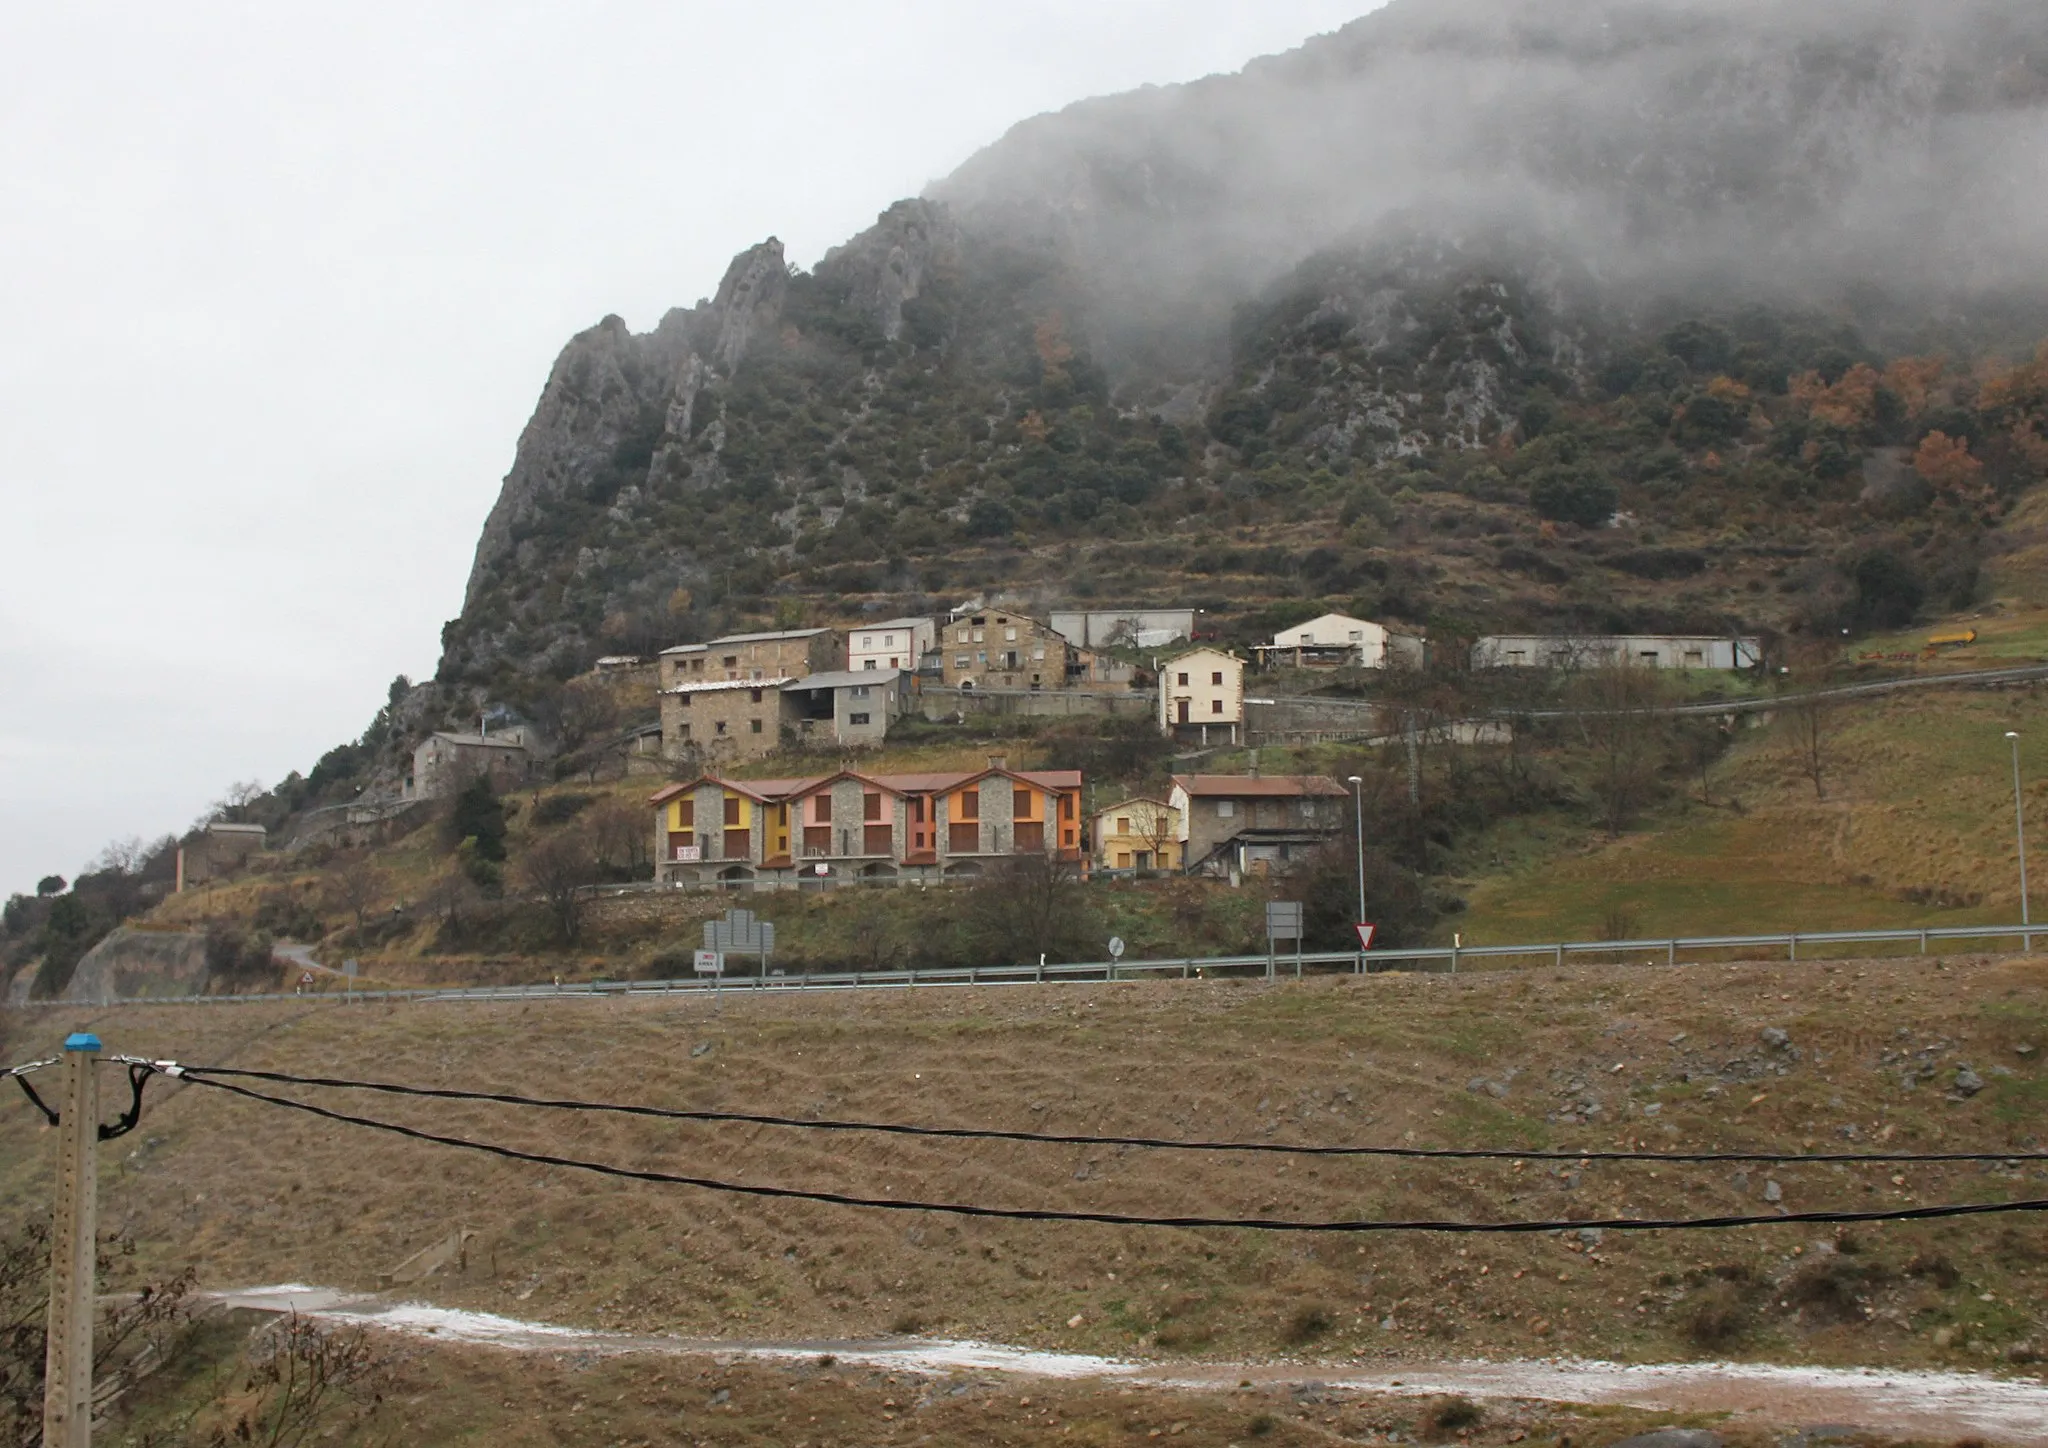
column 1414, row 238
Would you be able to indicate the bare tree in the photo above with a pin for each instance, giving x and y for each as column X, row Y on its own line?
column 621, row 834
column 1625, row 736
column 1027, row 906
column 1813, row 732
column 233, row 806
column 559, row 868
column 354, row 886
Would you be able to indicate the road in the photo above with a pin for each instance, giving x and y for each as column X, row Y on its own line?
column 1928, row 1405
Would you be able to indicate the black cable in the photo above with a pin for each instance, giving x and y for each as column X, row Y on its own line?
column 1120, row 1219
column 29, row 1091
column 139, row 1073
column 975, row 1133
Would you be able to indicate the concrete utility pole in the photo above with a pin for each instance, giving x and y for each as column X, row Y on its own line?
column 74, row 1253
column 1358, row 809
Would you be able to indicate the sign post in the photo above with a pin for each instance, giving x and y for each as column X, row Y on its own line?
column 348, row 979
column 1283, row 922
column 741, row 933
column 1116, row 953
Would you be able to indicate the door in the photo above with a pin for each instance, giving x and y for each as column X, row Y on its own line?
column 1183, row 711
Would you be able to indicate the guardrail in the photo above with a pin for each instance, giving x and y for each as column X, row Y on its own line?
column 1440, row 960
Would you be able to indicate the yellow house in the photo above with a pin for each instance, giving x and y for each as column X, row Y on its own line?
column 1138, row 834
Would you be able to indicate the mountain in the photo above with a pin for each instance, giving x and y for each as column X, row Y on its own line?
column 1397, row 318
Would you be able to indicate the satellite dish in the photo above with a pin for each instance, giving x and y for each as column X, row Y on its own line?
column 1116, row 947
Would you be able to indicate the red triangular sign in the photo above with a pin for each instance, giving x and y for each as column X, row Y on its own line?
column 1365, row 935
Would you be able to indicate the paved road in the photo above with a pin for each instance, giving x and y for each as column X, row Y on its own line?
column 1915, row 1404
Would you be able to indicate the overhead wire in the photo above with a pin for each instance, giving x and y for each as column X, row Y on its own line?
column 1053, row 1138
column 1126, row 1219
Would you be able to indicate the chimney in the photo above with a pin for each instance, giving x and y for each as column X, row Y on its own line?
column 999, row 761
column 1253, row 768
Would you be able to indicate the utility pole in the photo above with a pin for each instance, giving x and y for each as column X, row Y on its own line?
column 74, row 1253
column 1358, row 806
column 2019, row 821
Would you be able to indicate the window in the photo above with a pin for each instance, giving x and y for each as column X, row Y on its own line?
column 1183, row 680
column 860, row 691
column 870, row 663
column 753, row 726
column 1215, row 706
column 963, row 635
column 755, row 695
column 917, row 810
column 867, row 641
column 856, row 721
column 1009, row 635
column 1020, row 804
column 821, row 809
column 682, row 731
column 1123, row 824
column 732, row 661
column 758, row 674
column 1226, row 808
column 1216, row 679
column 696, row 666
column 888, row 641
column 686, row 814
column 683, row 701
column 981, row 656
column 721, row 726
column 732, row 813
column 970, row 804
column 977, row 635
column 1066, row 807
column 1038, row 654
column 1123, row 859
column 963, row 662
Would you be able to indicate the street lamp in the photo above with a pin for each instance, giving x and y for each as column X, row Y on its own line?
column 1358, row 809
column 2019, row 824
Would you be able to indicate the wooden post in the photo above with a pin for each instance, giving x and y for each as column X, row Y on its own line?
column 67, row 1364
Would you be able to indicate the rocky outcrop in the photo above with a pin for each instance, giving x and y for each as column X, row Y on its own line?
column 749, row 301
column 891, row 263
column 132, row 964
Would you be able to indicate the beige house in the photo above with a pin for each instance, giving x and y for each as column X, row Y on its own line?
column 787, row 654
column 1201, row 697
column 897, row 643
column 1337, row 640
column 994, row 649
column 1138, row 834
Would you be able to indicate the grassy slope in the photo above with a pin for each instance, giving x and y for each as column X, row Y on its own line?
column 251, row 1193
column 1916, row 828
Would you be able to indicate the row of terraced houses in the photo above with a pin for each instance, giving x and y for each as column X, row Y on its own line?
column 872, row 828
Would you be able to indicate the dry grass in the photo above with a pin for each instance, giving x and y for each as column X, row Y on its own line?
column 459, row 1396
column 251, row 1193
column 1916, row 828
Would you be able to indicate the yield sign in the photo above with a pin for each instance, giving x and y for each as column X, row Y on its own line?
column 1365, row 935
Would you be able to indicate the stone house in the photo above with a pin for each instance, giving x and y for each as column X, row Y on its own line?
column 721, row 700
column 851, row 708
column 846, row 828
column 997, row 649
column 1240, row 824
column 1201, row 696
column 216, row 852
column 1137, row 834
column 443, row 763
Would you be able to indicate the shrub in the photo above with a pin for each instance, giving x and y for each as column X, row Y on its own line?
column 479, row 815
column 1309, row 1322
column 1448, row 1415
column 559, row 809
column 1261, row 1424
column 1566, row 495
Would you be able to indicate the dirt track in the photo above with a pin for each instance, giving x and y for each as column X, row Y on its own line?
column 1903, row 1404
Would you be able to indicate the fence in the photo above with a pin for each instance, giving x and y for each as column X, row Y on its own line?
column 1439, row 960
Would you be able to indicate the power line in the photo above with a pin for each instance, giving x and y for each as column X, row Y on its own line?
column 976, row 1133
column 1121, row 1219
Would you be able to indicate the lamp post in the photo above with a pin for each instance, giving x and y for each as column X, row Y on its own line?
column 2019, row 824
column 1358, row 811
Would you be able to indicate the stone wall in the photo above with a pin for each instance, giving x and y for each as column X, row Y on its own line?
column 939, row 704
column 132, row 963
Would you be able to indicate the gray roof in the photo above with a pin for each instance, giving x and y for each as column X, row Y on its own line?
column 842, row 678
column 762, row 638
column 477, row 740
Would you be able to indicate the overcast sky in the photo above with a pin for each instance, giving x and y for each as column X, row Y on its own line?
column 279, row 285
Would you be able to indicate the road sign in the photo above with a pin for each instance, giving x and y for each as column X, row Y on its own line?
column 1283, row 920
column 348, row 967
column 1365, row 935
column 1116, row 947
column 710, row 962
